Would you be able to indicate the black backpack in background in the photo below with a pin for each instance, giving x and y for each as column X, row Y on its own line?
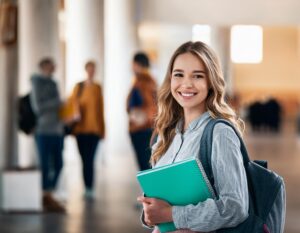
column 26, row 116
column 267, row 203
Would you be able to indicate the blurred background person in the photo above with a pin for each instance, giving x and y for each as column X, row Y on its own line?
column 45, row 101
column 89, row 128
column 141, row 108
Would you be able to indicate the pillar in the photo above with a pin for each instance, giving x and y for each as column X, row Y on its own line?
column 84, row 39
column 221, row 44
column 120, row 41
column 38, row 37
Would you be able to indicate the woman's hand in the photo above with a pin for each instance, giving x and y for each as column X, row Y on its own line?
column 155, row 210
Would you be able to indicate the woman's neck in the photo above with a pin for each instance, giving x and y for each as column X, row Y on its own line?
column 89, row 81
column 189, row 117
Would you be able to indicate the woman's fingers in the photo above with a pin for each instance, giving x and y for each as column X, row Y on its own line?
column 146, row 200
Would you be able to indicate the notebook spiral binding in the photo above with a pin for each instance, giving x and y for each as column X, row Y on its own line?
column 205, row 178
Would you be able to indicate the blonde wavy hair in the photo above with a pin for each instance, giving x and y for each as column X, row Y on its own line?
column 170, row 112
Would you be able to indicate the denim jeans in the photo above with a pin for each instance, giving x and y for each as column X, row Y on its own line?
column 51, row 162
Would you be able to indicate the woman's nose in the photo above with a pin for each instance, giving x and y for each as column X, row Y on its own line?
column 187, row 82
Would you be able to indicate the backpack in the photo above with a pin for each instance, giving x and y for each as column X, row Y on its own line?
column 267, row 203
column 26, row 116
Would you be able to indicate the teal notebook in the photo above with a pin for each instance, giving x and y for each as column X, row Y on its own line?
column 180, row 184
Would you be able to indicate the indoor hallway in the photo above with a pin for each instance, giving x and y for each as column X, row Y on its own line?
column 114, row 210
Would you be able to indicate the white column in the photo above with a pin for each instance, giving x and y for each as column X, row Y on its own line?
column 120, row 30
column 221, row 44
column 170, row 37
column 38, row 37
column 84, row 39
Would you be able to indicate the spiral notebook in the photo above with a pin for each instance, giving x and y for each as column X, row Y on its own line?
column 179, row 184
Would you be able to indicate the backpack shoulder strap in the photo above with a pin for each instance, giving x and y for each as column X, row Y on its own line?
column 206, row 147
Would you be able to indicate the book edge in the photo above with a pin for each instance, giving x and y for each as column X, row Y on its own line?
column 210, row 188
column 140, row 173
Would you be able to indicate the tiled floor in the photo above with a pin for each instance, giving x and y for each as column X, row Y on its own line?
column 114, row 210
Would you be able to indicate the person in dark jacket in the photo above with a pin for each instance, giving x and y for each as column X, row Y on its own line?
column 46, row 102
column 141, row 108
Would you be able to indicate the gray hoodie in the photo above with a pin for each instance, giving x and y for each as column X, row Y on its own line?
column 46, row 102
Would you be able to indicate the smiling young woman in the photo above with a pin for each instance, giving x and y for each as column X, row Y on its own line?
column 191, row 95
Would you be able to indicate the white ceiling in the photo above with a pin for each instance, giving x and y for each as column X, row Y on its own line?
column 221, row 12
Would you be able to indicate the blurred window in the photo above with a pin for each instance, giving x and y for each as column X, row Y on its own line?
column 201, row 33
column 246, row 44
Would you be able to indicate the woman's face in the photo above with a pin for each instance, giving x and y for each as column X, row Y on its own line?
column 90, row 70
column 189, row 83
column 137, row 68
column 48, row 69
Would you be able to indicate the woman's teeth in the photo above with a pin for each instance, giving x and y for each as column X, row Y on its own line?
column 187, row 94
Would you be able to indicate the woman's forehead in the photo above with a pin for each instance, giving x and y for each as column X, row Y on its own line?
column 188, row 62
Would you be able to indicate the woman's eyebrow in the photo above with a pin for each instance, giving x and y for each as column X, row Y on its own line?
column 199, row 71
column 195, row 71
column 177, row 70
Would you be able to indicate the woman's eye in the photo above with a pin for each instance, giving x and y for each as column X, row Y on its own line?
column 178, row 75
column 198, row 76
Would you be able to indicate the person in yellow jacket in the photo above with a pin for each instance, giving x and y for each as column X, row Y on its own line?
column 87, row 99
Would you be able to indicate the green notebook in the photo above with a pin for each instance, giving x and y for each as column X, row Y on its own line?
column 180, row 184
